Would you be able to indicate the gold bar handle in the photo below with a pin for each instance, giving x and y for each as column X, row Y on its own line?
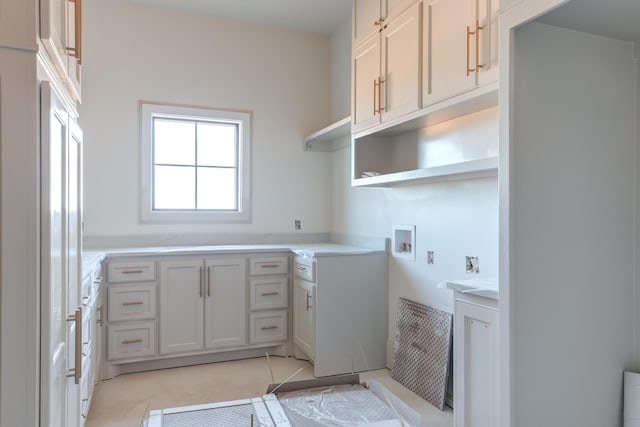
column 477, row 33
column 270, row 294
column 100, row 320
column 133, row 303
column 380, row 107
column 267, row 328
column 375, row 91
column 76, row 372
column 132, row 341
column 132, row 271
column 469, row 34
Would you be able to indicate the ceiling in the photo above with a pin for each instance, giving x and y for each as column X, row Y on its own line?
column 618, row 19
column 316, row 16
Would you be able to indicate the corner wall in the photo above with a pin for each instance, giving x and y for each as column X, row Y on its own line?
column 135, row 52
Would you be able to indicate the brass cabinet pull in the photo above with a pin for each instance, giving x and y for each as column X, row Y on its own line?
column 475, row 33
column 133, row 303
column 270, row 294
column 76, row 51
column 377, row 93
column 132, row 271
column 132, row 341
column 375, row 85
column 380, row 81
column 76, row 372
column 266, row 328
column 100, row 320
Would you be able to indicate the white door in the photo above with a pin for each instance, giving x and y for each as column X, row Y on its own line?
column 401, row 64
column 226, row 303
column 446, row 54
column 366, row 19
column 487, row 11
column 54, row 326
column 304, row 316
column 181, row 306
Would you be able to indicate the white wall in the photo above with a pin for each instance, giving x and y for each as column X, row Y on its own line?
column 452, row 219
column 341, row 72
column 135, row 52
column 572, row 220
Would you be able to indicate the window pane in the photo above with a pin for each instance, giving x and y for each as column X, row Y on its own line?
column 174, row 142
column 217, row 144
column 217, row 188
column 174, row 187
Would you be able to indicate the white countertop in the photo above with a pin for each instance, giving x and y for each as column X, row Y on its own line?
column 482, row 286
column 307, row 250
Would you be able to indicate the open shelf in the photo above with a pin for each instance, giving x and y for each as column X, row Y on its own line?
column 325, row 139
column 463, row 147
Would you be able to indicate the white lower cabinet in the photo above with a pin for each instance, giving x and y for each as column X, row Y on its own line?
column 202, row 304
column 476, row 392
column 304, row 316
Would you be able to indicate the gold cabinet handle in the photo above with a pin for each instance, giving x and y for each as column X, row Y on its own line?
column 138, row 271
column 375, row 91
column 132, row 341
column 100, row 320
column 76, row 372
column 133, row 303
column 267, row 328
column 76, row 51
column 475, row 33
column 270, row 294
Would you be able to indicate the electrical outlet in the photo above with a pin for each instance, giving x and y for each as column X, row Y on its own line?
column 429, row 257
column 297, row 224
column 472, row 264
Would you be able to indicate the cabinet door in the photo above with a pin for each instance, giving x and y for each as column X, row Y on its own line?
column 53, row 32
column 446, row 56
column 391, row 8
column 475, row 365
column 226, row 303
column 55, row 328
column 304, row 316
column 487, row 11
column 366, row 19
column 401, row 48
column 365, row 86
column 181, row 306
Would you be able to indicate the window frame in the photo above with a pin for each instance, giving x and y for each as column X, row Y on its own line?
column 149, row 110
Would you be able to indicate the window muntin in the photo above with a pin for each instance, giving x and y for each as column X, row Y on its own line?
column 195, row 164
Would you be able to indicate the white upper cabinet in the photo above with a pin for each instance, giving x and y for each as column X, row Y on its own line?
column 460, row 47
column 386, row 71
column 61, row 34
column 370, row 15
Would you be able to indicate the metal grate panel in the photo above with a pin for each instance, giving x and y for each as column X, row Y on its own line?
column 423, row 350
column 227, row 416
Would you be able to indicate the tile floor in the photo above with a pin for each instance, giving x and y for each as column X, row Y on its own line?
column 125, row 401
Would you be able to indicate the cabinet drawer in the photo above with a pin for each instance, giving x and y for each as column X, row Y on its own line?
column 268, row 293
column 132, row 303
column 268, row 327
column 129, row 341
column 271, row 265
column 140, row 271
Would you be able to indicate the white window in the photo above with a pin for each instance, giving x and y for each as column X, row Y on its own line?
column 195, row 164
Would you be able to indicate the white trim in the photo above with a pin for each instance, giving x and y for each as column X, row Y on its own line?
column 242, row 118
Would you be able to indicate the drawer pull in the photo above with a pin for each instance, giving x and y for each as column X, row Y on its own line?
column 266, row 328
column 132, row 341
column 133, row 303
column 269, row 265
column 132, row 271
column 270, row 294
